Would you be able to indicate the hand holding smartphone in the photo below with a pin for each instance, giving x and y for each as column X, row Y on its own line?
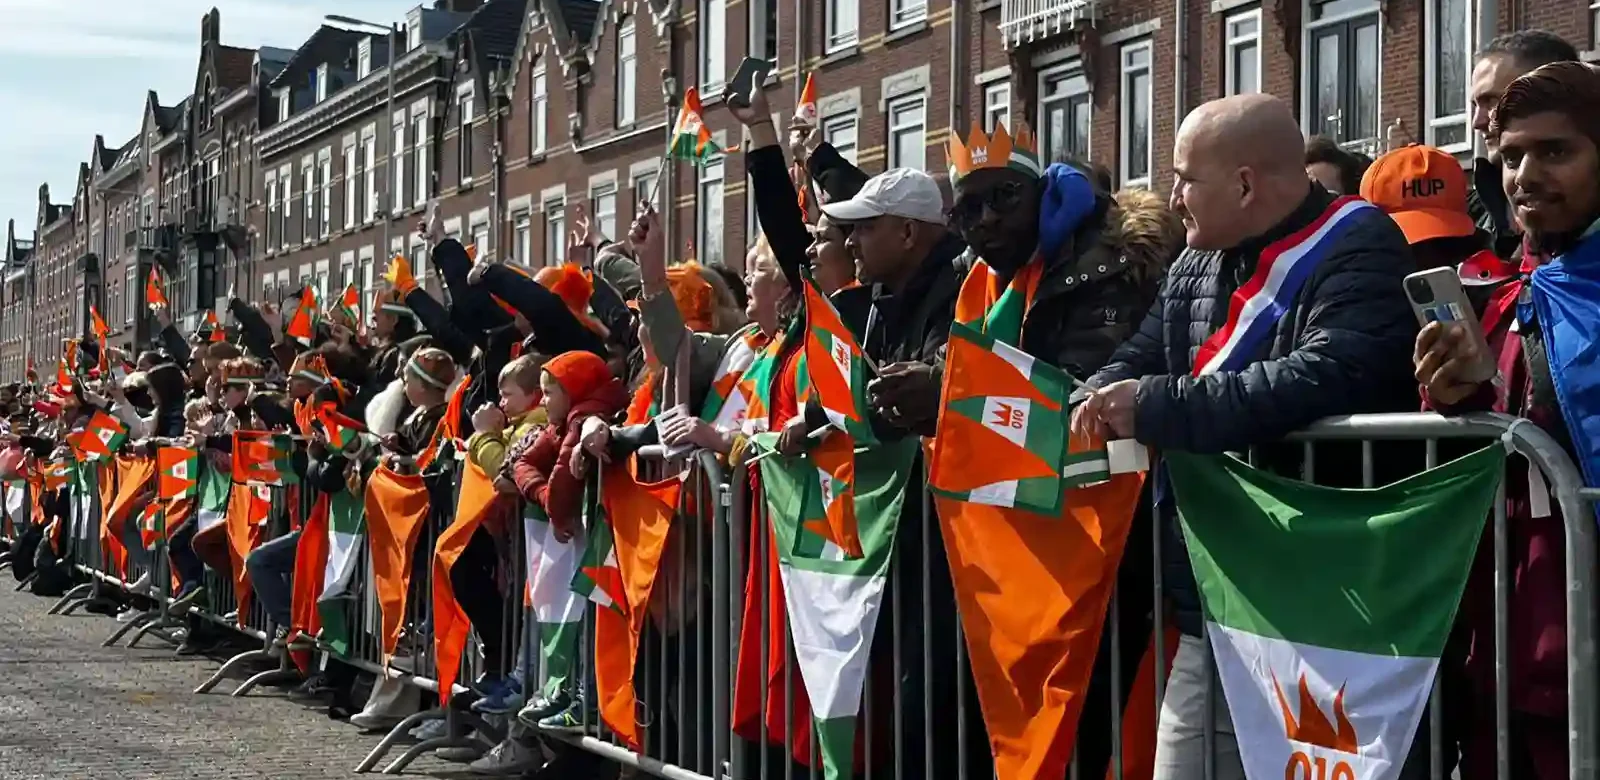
column 1437, row 295
column 752, row 73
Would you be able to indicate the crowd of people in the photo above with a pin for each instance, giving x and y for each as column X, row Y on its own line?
column 1123, row 290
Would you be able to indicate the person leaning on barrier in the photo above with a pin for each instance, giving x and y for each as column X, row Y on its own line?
column 1339, row 348
column 1548, row 139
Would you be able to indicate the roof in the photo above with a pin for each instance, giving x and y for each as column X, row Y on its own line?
column 108, row 157
column 129, row 151
column 327, row 44
column 497, row 26
column 580, row 17
column 234, row 66
column 170, row 117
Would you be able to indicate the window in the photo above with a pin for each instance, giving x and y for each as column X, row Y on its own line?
column 555, row 232
column 309, row 209
column 418, row 256
column 644, row 185
column 840, row 131
column 843, row 20
column 538, row 110
column 1135, row 129
column 414, row 33
column 320, row 281
column 397, row 158
column 1594, row 23
column 1342, row 42
column 906, row 12
column 274, row 235
column 325, row 174
column 996, row 106
column 363, row 58
column 286, row 191
column 603, row 210
column 321, row 81
column 908, row 146
column 1243, row 55
column 627, row 74
column 419, row 132
column 369, row 161
column 352, row 185
column 464, row 140
column 1064, row 113
column 369, row 292
column 713, row 46
column 708, row 233
column 1448, row 66
column 521, row 238
column 129, row 290
column 480, row 238
column 763, row 29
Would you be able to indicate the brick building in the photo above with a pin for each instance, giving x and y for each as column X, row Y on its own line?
column 300, row 164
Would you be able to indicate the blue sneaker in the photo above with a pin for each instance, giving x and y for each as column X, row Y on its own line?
column 504, row 698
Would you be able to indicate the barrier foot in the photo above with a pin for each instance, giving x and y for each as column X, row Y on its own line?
column 228, row 667
column 77, row 592
column 395, row 734
column 262, row 678
column 398, row 766
column 23, row 585
column 122, row 630
column 157, row 629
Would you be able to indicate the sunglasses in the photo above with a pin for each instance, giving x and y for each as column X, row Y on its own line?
column 1003, row 198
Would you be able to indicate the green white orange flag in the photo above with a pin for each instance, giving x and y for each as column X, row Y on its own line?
column 729, row 400
column 475, row 500
column 155, row 296
column 347, row 526
column 341, row 430
column 691, row 140
column 397, row 506
column 833, row 599
column 1003, row 429
column 102, row 437
column 302, row 325
column 599, row 576
column 349, row 304
column 210, row 324
column 177, row 473
column 1327, row 609
column 263, row 458
column 557, row 608
column 836, row 372
column 639, row 517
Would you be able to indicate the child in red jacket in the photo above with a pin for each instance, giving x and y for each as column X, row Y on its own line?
column 549, row 475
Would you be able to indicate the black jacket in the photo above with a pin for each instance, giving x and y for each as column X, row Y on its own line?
column 1491, row 209
column 1343, row 347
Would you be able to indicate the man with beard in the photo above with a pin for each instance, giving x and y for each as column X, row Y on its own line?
column 1336, row 345
column 1540, row 330
column 1505, row 59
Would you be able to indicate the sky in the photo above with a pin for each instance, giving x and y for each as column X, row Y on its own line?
column 70, row 69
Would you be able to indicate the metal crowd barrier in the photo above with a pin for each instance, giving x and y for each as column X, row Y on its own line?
column 924, row 722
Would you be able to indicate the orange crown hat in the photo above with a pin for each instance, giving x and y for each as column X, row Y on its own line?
column 574, row 288
column 1000, row 150
column 243, row 371
column 312, row 368
column 694, row 296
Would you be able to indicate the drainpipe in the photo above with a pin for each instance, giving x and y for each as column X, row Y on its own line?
column 1180, row 62
column 497, row 170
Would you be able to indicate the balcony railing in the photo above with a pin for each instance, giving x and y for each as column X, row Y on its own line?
column 1023, row 21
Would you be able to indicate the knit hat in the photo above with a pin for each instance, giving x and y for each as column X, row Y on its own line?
column 694, row 295
column 433, row 366
column 581, row 374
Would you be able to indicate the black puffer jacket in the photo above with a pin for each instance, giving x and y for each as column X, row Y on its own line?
column 1343, row 347
column 1490, row 208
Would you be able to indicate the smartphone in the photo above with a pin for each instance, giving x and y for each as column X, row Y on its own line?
column 752, row 73
column 1437, row 296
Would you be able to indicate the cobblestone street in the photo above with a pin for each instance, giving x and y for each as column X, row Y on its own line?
column 72, row 710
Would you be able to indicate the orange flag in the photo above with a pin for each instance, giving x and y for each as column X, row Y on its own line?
column 451, row 628
column 310, row 559
column 640, row 516
column 213, row 326
column 1033, row 620
column 397, row 506
column 248, row 509
column 154, row 296
column 134, row 477
column 302, row 325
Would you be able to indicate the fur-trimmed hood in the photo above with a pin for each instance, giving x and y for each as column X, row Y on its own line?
column 1140, row 227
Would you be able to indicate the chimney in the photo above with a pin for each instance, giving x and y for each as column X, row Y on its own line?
column 211, row 27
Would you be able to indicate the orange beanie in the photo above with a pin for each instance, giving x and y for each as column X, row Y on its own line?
column 581, row 374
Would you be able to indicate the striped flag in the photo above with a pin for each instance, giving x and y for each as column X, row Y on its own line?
column 691, row 140
column 263, row 458
column 342, row 431
column 729, row 400
column 347, row 527
column 349, row 304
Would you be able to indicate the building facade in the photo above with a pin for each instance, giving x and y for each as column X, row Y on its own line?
column 315, row 162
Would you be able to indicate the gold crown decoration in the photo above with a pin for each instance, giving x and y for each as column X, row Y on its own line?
column 1000, row 150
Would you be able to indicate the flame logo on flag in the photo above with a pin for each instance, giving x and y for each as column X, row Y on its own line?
column 1313, row 726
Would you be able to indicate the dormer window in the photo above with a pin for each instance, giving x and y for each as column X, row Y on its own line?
column 321, row 82
column 283, row 103
column 363, row 58
column 414, row 29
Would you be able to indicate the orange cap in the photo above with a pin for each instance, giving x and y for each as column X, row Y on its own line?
column 1423, row 189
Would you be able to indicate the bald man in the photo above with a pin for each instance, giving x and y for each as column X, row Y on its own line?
column 1329, row 333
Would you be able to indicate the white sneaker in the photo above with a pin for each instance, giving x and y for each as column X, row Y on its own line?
column 508, row 759
column 141, row 586
column 391, row 702
column 127, row 615
column 430, row 729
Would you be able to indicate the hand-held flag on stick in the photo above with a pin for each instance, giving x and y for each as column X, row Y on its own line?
column 98, row 323
column 302, row 326
column 154, row 296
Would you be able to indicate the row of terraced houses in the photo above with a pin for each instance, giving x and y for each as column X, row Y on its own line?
column 316, row 161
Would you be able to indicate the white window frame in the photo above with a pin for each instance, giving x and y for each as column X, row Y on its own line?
column 895, row 129
column 710, row 188
column 642, row 183
column 833, row 126
column 271, row 181
column 369, row 155
column 539, row 111
column 325, row 172
column 1066, row 72
column 627, row 73
column 369, row 289
column 1594, row 23
column 419, row 128
column 713, row 39
column 1430, row 78
column 286, row 193
column 1127, row 73
column 997, row 106
column 363, row 58
column 417, row 253
column 522, row 238
column 904, row 13
column 466, row 104
column 352, row 181
column 322, row 82
column 397, row 159
column 758, row 23
column 1232, row 42
column 283, row 104
column 320, row 277
column 600, row 216
column 555, row 230
column 1307, row 78
column 842, row 25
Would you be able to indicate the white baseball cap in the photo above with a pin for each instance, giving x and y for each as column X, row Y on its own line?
column 902, row 192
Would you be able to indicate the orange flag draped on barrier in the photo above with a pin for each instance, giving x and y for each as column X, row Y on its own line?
column 476, row 501
column 640, row 516
column 248, row 508
column 112, row 553
column 134, row 476
column 310, row 559
column 397, row 505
